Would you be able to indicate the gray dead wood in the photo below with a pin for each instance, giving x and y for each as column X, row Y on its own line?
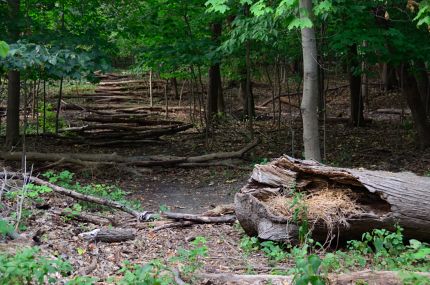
column 84, row 217
column 108, row 235
column 200, row 218
column 94, row 160
column 385, row 198
column 360, row 277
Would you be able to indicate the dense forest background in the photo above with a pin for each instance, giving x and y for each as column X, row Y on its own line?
column 157, row 106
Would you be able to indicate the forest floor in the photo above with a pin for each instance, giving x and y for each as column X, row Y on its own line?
column 387, row 143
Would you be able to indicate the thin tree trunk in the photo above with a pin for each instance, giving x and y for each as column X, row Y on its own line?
column 214, row 80
column 412, row 95
column 175, row 87
column 57, row 115
column 12, row 116
column 14, row 85
column 44, row 106
column 357, row 118
column 309, row 105
column 423, row 85
column 150, row 89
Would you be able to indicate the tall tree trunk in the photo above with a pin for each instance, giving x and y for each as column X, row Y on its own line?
column 175, row 87
column 357, row 118
column 423, row 85
column 389, row 78
column 412, row 95
column 309, row 105
column 14, row 86
column 214, row 79
column 12, row 118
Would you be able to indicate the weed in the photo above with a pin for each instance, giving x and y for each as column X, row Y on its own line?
column 191, row 259
column 27, row 267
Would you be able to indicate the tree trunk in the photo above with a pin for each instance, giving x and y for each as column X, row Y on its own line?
column 14, row 86
column 412, row 95
column 357, row 118
column 389, row 78
column 423, row 85
column 380, row 199
column 215, row 88
column 13, row 99
column 309, row 104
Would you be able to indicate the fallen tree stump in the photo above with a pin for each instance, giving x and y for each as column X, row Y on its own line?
column 337, row 200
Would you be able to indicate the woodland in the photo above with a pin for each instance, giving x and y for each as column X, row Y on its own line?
column 215, row 142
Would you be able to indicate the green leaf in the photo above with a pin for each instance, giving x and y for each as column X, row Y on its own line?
column 4, row 49
column 300, row 23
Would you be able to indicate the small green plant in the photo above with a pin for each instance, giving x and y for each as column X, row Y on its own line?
column 273, row 251
column 72, row 212
column 82, row 280
column 28, row 267
column 249, row 244
column 65, row 179
column 191, row 259
column 5, row 228
column 153, row 273
column 308, row 271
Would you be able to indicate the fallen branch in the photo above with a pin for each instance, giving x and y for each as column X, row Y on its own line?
column 84, row 217
column 173, row 225
column 108, row 235
column 140, row 216
column 200, row 218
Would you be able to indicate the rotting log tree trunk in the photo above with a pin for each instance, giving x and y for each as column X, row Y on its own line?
column 360, row 277
column 385, row 199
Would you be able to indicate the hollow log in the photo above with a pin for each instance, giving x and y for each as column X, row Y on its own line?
column 382, row 200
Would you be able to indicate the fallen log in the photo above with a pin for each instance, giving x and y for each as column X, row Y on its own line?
column 94, row 160
column 338, row 200
column 360, row 277
column 200, row 218
column 108, row 235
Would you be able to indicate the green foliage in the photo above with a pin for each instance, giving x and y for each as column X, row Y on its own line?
column 28, row 267
column 5, row 228
column 153, row 273
column 4, row 49
column 381, row 250
column 191, row 259
column 82, row 280
column 308, row 271
column 65, row 179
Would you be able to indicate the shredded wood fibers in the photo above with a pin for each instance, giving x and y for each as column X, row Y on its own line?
column 331, row 206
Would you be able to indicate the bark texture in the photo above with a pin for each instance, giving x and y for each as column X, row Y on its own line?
column 310, row 98
column 385, row 198
column 412, row 95
column 13, row 99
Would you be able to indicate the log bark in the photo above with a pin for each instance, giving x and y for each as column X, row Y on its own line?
column 108, row 235
column 200, row 218
column 385, row 199
column 90, row 160
column 360, row 277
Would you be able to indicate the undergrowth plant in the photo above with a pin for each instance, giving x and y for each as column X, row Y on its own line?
column 28, row 267
column 66, row 179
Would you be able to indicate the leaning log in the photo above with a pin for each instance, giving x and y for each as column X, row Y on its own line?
column 374, row 199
